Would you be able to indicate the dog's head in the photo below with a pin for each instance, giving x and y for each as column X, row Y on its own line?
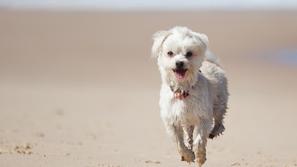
column 180, row 53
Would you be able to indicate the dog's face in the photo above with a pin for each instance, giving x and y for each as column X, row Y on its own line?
column 180, row 53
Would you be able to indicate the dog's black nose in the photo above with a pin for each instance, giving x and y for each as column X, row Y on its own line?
column 179, row 64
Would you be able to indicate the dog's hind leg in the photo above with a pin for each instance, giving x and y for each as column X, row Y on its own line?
column 219, row 111
column 218, row 128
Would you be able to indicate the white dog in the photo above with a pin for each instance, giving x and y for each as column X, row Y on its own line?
column 194, row 95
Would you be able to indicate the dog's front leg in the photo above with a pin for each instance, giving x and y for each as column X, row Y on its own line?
column 186, row 154
column 189, row 133
column 201, row 132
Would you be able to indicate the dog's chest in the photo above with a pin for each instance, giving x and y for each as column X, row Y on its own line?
column 176, row 110
column 184, row 110
column 189, row 109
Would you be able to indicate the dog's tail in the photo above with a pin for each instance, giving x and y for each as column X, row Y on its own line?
column 209, row 56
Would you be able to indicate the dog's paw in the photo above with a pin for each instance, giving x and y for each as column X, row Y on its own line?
column 201, row 158
column 201, row 161
column 188, row 156
column 216, row 131
column 211, row 136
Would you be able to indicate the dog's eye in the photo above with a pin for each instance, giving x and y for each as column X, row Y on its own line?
column 170, row 53
column 189, row 54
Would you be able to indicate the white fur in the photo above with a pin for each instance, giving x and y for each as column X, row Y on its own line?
column 190, row 121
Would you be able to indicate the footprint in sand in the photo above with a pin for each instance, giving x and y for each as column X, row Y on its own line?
column 235, row 164
column 23, row 149
column 107, row 165
column 152, row 162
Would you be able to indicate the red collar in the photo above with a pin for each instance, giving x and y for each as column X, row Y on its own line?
column 179, row 94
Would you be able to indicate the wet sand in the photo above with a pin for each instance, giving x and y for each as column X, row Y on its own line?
column 80, row 88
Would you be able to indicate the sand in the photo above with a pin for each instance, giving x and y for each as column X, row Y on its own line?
column 80, row 89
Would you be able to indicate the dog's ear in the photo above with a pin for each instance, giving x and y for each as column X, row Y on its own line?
column 159, row 38
column 203, row 38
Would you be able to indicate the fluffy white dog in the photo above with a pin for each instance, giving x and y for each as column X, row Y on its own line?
column 194, row 95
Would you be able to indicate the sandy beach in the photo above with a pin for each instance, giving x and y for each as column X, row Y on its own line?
column 80, row 88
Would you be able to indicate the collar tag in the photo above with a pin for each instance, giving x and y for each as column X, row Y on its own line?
column 181, row 94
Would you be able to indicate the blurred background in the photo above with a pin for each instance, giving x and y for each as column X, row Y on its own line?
column 78, row 86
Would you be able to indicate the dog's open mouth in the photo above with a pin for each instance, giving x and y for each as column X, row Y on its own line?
column 180, row 73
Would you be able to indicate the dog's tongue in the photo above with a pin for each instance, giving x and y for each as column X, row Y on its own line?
column 180, row 74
